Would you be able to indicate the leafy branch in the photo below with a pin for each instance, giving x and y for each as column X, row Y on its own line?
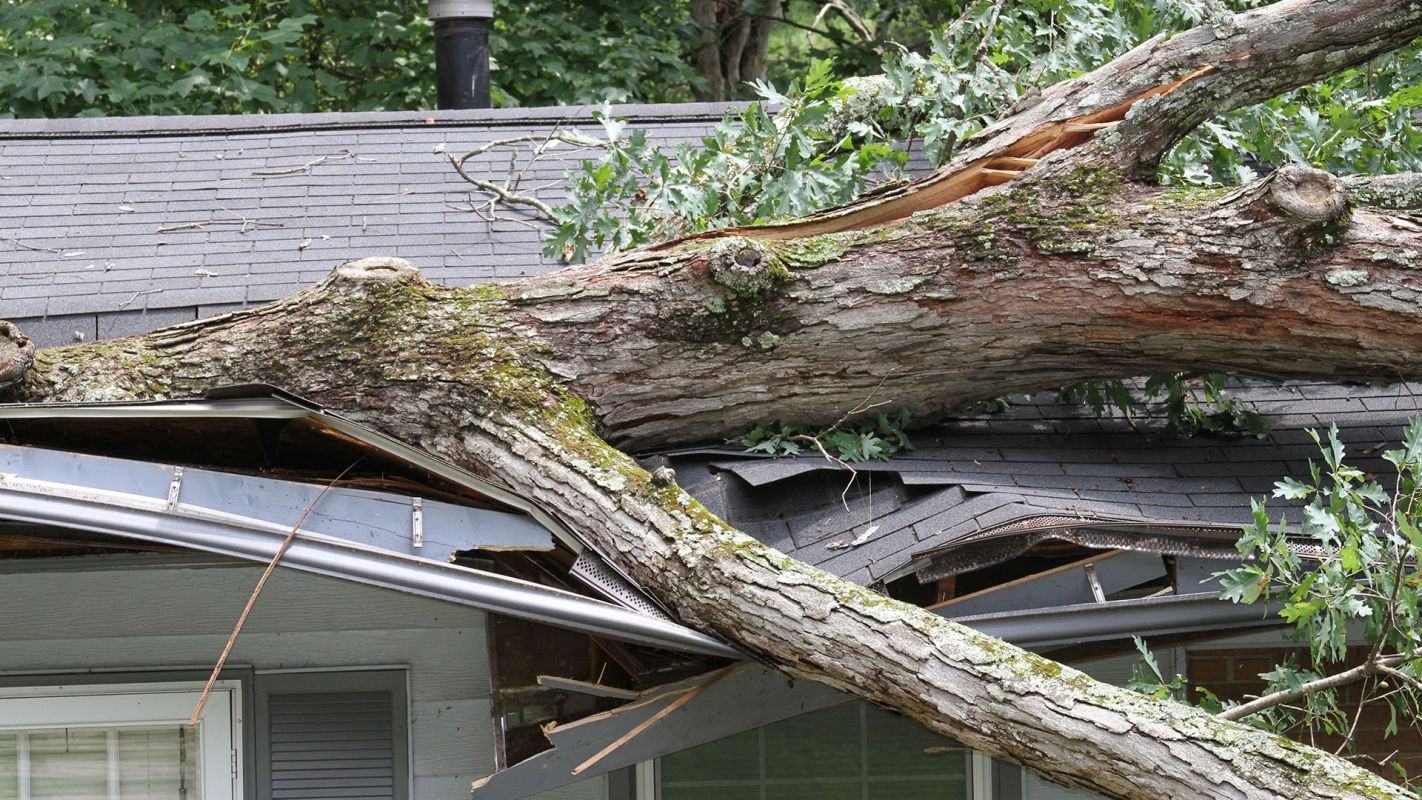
column 1353, row 569
column 876, row 439
column 1191, row 404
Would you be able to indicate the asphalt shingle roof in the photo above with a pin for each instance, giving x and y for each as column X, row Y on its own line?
column 977, row 472
column 117, row 226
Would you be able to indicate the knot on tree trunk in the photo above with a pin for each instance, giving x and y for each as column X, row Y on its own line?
column 741, row 265
column 17, row 354
column 376, row 269
column 1307, row 194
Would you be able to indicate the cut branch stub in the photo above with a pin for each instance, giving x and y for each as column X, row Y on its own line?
column 377, row 269
column 17, row 354
column 1307, row 194
column 739, row 265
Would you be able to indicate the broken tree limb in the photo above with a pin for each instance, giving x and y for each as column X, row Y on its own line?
column 1400, row 192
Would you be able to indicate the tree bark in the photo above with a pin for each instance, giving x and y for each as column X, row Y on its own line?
column 1037, row 258
column 734, row 43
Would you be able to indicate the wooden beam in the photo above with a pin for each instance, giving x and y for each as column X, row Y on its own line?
column 747, row 697
column 1067, row 584
column 587, row 687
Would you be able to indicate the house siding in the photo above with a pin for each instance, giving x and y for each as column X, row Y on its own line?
column 172, row 618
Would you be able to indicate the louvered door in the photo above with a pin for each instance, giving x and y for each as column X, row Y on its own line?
column 323, row 736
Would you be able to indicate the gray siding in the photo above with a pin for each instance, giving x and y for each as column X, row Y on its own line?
column 180, row 617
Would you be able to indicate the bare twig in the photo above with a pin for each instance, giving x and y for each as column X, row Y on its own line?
column 137, row 295
column 501, row 192
column 506, row 191
column 851, row 18
column 245, row 225
column 344, row 154
column 252, row 600
column 22, row 245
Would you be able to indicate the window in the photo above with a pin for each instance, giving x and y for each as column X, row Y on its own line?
column 118, row 742
column 851, row 752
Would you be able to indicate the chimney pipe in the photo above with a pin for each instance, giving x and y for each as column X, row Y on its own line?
column 462, row 51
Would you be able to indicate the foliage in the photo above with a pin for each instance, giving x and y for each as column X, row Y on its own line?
column 878, row 438
column 1361, row 121
column 552, row 52
column 1353, row 569
column 161, row 57
column 1190, row 404
column 755, row 167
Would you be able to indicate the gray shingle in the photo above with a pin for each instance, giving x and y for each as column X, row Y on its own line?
column 394, row 196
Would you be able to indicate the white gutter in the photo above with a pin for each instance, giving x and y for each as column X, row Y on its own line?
column 151, row 520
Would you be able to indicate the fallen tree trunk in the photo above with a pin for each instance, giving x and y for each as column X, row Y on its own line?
column 1038, row 258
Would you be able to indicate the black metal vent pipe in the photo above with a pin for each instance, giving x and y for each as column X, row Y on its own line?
column 461, row 29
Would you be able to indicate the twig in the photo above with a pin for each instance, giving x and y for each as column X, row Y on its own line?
column 989, row 33
column 137, row 295
column 305, row 167
column 20, row 244
column 501, row 192
column 1333, row 681
column 505, row 192
column 246, row 224
column 855, row 22
column 576, row 139
column 261, row 582
column 864, row 405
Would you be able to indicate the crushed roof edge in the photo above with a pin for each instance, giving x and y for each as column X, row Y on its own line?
column 225, row 124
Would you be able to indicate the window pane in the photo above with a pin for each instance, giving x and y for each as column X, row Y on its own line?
column 69, row 764
column 946, row 789
column 9, row 775
column 732, row 758
column 824, row 744
column 711, row 792
column 851, row 752
column 158, row 764
column 815, row 790
column 131, row 763
column 899, row 747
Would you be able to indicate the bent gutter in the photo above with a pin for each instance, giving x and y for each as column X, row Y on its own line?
column 149, row 520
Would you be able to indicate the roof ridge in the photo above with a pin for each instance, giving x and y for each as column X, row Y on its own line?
column 229, row 124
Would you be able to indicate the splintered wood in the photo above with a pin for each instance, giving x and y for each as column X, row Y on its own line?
column 949, row 185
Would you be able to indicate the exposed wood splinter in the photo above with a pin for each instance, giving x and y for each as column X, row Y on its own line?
column 948, row 186
column 690, row 695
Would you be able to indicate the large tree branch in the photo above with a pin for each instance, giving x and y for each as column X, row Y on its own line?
column 1400, row 192
column 1149, row 97
column 1071, row 273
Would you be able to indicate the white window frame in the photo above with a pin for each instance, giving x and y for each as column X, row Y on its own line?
column 219, row 729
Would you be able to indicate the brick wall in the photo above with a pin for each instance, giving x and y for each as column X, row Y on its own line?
column 1233, row 674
